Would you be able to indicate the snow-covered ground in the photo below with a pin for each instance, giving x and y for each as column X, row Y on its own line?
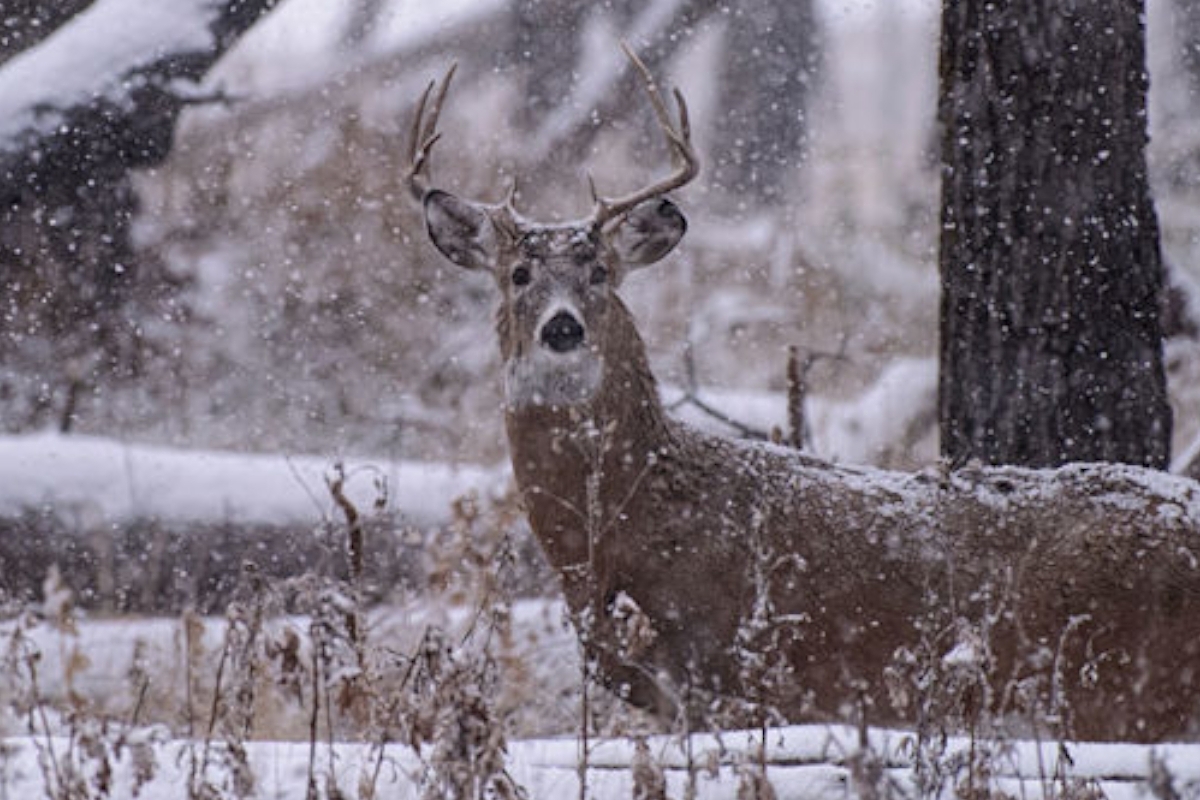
column 868, row 153
column 799, row 763
column 90, row 663
column 810, row 762
column 110, row 481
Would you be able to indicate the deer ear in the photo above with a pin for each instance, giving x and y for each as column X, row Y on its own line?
column 648, row 232
column 462, row 231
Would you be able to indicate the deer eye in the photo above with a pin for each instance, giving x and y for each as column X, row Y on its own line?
column 599, row 275
column 521, row 276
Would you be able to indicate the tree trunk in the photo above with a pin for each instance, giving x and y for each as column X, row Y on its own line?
column 1051, row 273
column 78, row 296
column 24, row 23
column 545, row 47
column 770, row 59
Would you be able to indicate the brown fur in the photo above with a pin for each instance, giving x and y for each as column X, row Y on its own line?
column 1082, row 583
column 701, row 569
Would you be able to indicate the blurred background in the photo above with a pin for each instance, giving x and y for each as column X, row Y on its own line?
column 288, row 301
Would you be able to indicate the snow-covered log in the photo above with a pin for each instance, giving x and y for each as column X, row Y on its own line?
column 115, row 483
column 153, row 529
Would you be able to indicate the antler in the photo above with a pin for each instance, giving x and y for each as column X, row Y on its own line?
column 424, row 134
column 687, row 165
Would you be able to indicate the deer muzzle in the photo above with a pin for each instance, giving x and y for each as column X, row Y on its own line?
column 562, row 333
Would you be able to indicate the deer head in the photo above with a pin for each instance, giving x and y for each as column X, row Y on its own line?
column 556, row 281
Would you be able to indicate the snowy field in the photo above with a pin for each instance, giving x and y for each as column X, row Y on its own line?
column 812, row 762
column 107, row 666
column 797, row 763
column 102, row 704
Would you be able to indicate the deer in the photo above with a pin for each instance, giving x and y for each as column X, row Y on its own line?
column 710, row 575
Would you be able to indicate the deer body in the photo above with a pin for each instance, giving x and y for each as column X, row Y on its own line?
column 699, row 568
column 1082, row 584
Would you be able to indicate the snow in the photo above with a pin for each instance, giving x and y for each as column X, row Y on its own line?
column 114, row 481
column 92, row 56
column 109, row 481
column 811, row 762
column 856, row 431
column 290, row 48
column 298, row 43
column 411, row 22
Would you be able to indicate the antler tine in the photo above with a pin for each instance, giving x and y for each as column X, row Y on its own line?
column 505, row 214
column 656, row 101
column 591, row 179
column 679, row 137
column 418, row 148
column 685, row 124
column 424, row 133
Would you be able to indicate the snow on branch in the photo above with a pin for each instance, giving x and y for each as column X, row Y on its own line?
column 118, row 67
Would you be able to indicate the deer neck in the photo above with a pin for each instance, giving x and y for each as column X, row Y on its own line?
column 576, row 465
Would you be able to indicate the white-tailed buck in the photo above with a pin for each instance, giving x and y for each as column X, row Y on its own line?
column 704, row 572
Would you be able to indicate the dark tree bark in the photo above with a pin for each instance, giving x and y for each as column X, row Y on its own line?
column 1051, row 348
column 771, row 58
column 24, row 23
column 545, row 48
column 77, row 295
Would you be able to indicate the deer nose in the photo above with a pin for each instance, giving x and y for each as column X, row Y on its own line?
column 562, row 333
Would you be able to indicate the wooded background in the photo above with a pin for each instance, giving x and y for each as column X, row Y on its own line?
column 110, row 332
